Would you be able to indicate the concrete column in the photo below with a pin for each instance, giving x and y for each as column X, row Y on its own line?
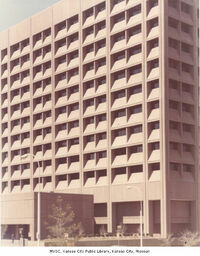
column 31, row 231
column 150, row 219
column 109, row 217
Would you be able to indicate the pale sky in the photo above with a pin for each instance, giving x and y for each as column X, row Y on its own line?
column 15, row 11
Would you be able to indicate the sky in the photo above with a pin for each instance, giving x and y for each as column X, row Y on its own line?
column 15, row 11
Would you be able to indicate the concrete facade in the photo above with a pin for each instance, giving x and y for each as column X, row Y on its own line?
column 103, row 98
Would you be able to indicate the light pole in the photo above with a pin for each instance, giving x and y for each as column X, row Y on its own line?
column 141, row 229
column 38, row 204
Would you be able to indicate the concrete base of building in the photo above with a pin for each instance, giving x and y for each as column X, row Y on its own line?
column 19, row 213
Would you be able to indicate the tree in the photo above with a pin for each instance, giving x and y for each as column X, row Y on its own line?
column 186, row 238
column 61, row 222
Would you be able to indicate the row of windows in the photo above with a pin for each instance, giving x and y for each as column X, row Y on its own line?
column 180, row 5
column 93, row 102
column 47, row 148
column 122, row 170
column 185, row 7
column 183, row 27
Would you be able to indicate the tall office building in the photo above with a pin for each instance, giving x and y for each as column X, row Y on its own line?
column 101, row 97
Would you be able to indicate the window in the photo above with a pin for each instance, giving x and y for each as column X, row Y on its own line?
column 73, row 37
column 174, row 166
column 102, row 118
column 134, row 31
column 173, row 104
column 101, row 25
column 120, row 94
column 117, row 1
column 119, row 56
column 89, row 13
column 153, row 23
column 90, row 156
column 73, row 55
column 173, row 43
column 173, row 125
column 61, row 26
column 90, row 138
column 135, row 70
column 136, row 89
column 173, row 146
column 62, row 127
column 134, row 11
column 47, row 32
column 101, row 7
column 136, row 109
column 101, row 44
column 101, row 99
column 172, row 22
column 62, row 110
column 26, row 120
column 173, row 3
column 90, row 120
column 187, row 128
column 102, row 136
column 75, row 124
column 101, row 80
column 188, row 168
column 155, row 146
column 120, row 113
column 121, row 132
column 74, row 107
column 47, row 130
column 73, row 20
column 89, row 84
column 90, row 66
column 185, row 47
column 174, row 64
column 74, row 89
column 186, row 107
column 47, row 114
column 153, row 3
column 135, row 50
column 74, row 141
column 101, row 62
column 155, row 125
column 102, row 154
column 136, row 149
column 26, row 135
column 136, row 129
column 187, row 148
column 119, row 17
column 119, row 37
column 186, row 87
column 185, row 28
column 62, row 144
column 89, row 48
column 74, row 72
column 89, row 31
column 186, row 67
column 185, row 8
column 119, row 75
column 89, row 103
column 47, row 49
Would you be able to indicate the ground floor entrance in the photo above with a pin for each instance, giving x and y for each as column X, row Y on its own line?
column 16, row 231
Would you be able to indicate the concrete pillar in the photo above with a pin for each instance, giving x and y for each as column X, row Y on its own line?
column 109, row 217
column 193, row 219
column 150, row 220
column 31, row 231
column 113, row 217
